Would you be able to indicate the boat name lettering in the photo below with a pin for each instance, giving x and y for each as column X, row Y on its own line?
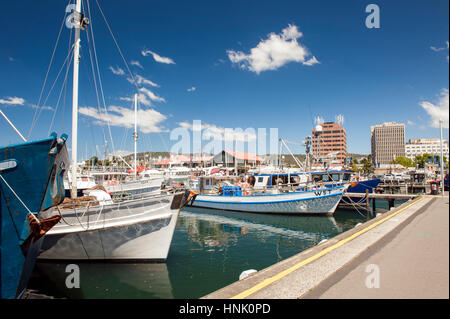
column 322, row 192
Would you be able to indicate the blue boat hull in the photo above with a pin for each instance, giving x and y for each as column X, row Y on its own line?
column 31, row 180
column 361, row 187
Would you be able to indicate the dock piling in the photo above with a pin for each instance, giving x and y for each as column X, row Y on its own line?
column 367, row 204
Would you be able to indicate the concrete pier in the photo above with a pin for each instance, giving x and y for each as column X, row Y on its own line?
column 403, row 253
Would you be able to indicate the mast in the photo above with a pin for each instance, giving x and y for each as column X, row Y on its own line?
column 76, row 61
column 135, row 134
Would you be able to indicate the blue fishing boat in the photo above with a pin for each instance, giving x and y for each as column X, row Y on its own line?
column 341, row 177
column 31, row 181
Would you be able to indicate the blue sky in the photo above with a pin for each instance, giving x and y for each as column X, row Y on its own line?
column 330, row 63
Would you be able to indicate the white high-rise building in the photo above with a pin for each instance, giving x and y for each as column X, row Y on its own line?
column 421, row 146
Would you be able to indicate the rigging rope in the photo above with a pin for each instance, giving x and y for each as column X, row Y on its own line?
column 46, row 75
column 51, row 89
column 99, row 77
column 60, row 93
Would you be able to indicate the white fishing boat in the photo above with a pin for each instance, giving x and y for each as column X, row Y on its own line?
column 84, row 181
column 96, row 227
column 138, row 228
column 177, row 175
column 262, row 196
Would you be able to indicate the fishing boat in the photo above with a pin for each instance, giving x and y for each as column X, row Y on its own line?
column 98, row 227
column 139, row 227
column 84, row 181
column 267, row 194
column 357, row 184
column 31, row 181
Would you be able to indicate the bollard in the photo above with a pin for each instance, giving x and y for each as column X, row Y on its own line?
column 367, row 203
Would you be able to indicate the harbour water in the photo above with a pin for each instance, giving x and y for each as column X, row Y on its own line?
column 209, row 250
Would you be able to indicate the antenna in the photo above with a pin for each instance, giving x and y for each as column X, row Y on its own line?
column 339, row 119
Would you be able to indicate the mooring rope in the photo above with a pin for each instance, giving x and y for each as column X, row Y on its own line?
column 17, row 196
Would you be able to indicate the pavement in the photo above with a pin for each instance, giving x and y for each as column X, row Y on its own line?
column 403, row 253
column 412, row 263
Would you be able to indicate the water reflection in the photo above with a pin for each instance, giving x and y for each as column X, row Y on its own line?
column 223, row 224
column 209, row 250
column 106, row 280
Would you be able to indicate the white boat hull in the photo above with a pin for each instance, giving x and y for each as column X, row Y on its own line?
column 316, row 202
column 132, row 230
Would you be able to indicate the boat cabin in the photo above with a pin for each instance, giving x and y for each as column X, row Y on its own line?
column 332, row 176
column 269, row 180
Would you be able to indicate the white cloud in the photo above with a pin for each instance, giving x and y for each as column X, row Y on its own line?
column 436, row 49
column 274, row 52
column 142, row 99
column 411, row 123
column 117, row 71
column 311, row 61
column 191, row 89
column 136, row 63
column 149, row 120
column 157, row 57
column 221, row 133
column 152, row 96
column 12, row 100
column 438, row 111
column 141, row 80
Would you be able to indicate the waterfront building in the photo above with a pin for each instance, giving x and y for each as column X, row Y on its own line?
column 421, row 146
column 387, row 142
column 332, row 139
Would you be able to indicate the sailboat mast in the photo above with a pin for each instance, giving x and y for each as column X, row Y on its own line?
column 76, row 61
column 135, row 136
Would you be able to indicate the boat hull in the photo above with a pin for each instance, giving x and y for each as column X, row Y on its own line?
column 318, row 202
column 361, row 187
column 32, row 176
column 133, row 230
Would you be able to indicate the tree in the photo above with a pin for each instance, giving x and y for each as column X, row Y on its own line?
column 404, row 161
column 367, row 165
column 92, row 161
column 421, row 159
column 355, row 168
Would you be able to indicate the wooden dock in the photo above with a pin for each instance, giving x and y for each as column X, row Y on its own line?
column 369, row 199
column 382, row 196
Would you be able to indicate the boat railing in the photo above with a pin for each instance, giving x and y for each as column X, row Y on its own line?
column 286, row 188
column 118, row 197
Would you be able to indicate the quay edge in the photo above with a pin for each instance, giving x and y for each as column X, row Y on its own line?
column 294, row 277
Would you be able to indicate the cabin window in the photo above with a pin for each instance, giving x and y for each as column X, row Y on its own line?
column 325, row 178
column 260, row 179
column 335, row 177
column 347, row 176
